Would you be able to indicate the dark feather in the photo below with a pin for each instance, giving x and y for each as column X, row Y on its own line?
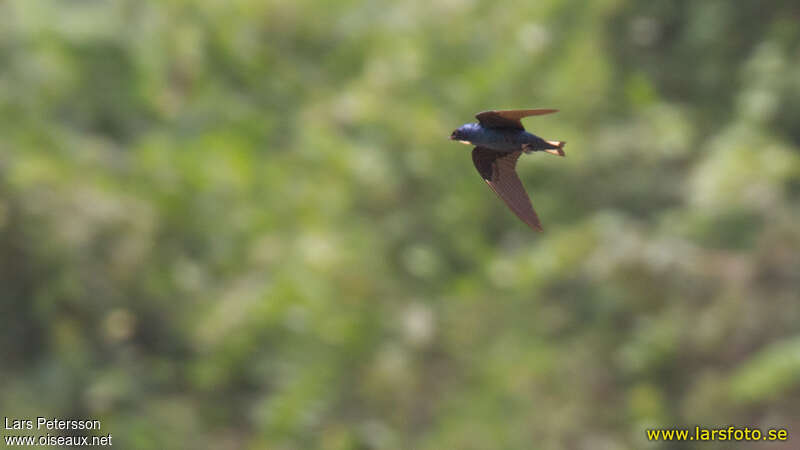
column 509, row 118
column 499, row 171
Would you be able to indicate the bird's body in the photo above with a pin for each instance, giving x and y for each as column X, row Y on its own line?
column 502, row 139
column 499, row 139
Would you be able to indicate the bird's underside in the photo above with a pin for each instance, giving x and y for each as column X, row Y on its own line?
column 498, row 169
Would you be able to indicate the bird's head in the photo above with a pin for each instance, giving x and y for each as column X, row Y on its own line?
column 462, row 134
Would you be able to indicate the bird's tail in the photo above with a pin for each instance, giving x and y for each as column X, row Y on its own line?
column 559, row 148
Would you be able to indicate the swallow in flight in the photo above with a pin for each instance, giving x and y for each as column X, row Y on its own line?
column 499, row 139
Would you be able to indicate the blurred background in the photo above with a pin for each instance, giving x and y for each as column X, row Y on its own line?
column 241, row 224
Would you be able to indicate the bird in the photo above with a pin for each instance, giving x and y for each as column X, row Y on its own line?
column 499, row 139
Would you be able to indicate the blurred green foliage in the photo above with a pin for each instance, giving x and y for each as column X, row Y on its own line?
column 240, row 224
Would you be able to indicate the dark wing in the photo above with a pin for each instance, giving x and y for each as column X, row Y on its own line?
column 498, row 170
column 509, row 118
